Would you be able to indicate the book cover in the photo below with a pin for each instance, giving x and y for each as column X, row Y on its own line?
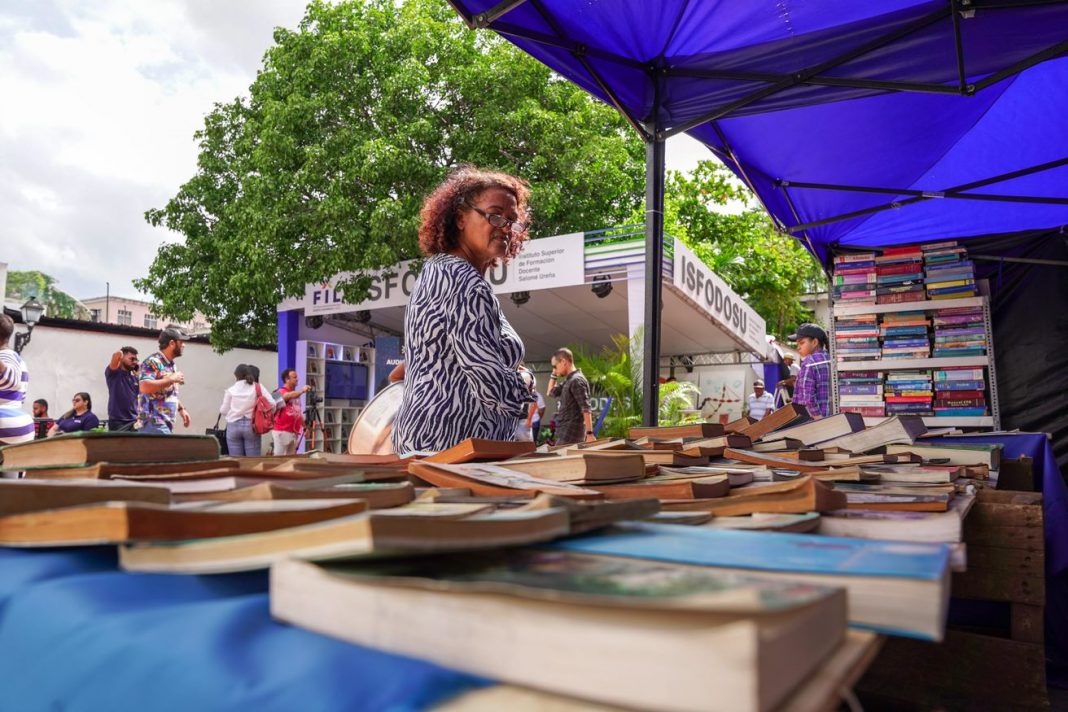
column 855, row 257
column 960, row 386
column 959, row 403
column 958, row 395
column 903, row 268
column 765, row 551
column 900, row 298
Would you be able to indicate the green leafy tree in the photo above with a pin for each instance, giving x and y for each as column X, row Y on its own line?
column 354, row 117
column 23, row 285
column 616, row 371
column 714, row 215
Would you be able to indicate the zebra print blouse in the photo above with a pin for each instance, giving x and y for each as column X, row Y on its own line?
column 460, row 359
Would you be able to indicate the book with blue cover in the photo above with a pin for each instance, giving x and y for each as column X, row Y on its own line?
column 894, row 588
column 960, row 385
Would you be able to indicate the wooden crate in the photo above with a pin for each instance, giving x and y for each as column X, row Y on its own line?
column 969, row 670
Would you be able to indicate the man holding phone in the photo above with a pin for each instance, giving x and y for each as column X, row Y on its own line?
column 574, row 422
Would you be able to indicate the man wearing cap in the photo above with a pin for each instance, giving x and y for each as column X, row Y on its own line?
column 760, row 402
column 813, row 386
column 158, row 405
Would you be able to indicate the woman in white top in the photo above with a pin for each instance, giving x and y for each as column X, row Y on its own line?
column 239, row 403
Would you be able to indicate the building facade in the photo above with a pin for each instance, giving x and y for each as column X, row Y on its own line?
column 135, row 312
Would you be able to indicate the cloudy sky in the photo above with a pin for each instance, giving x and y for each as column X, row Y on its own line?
column 101, row 100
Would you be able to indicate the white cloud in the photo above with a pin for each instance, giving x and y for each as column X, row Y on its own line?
column 101, row 101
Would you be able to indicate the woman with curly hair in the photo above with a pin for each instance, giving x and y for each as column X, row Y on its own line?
column 462, row 354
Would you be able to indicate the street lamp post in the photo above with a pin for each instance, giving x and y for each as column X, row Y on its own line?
column 32, row 311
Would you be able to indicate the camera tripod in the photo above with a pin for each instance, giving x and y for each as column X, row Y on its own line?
column 313, row 431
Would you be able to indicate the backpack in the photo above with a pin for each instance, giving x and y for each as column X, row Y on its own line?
column 262, row 414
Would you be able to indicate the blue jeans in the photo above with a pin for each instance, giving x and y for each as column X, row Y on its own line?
column 153, row 429
column 241, row 439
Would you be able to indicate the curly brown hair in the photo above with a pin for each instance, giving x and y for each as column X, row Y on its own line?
column 437, row 230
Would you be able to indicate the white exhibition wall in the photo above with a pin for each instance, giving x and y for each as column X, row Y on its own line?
column 65, row 361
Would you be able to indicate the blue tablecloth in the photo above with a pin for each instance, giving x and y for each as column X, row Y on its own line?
column 77, row 634
column 1049, row 481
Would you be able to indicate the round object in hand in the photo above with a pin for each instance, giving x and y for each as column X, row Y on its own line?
column 372, row 432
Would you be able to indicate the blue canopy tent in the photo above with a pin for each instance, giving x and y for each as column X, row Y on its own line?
column 855, row 124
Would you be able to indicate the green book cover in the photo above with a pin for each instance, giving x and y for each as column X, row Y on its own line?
column 587, row 578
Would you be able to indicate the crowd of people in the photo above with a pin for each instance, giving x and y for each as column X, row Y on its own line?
column 464, row 374
column 143, row 397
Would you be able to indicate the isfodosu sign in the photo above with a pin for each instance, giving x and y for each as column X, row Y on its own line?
column 713, row 296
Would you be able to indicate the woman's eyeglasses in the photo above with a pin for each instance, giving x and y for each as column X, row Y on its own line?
column 513, row 226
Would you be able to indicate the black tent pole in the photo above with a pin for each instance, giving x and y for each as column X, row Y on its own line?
column 654, row 271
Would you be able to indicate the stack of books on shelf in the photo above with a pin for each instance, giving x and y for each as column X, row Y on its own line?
column 959, row 332
column 854, row 278
column 909, row 392
column 959, row 392
column 948, row 272
column 899, row 276
column 861, row 392
column 904, row 335
column 856, row 338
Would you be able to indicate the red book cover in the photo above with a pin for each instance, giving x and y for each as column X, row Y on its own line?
column 942, row 394
column 903, row 250
column 842, row 271
column 960, row 403
column 900, row 268
column 866, row 411
column 908, row 399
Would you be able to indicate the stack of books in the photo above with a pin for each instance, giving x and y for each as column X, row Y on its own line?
column 909, row 392
column 959, row 332
column 856, row 338
column 959, row 392
column 899, row 276
column 948, row 272
column 861, row 392
column 904, row 335
column 854, row 278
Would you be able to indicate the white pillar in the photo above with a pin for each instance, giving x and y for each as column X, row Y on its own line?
column 636, row 316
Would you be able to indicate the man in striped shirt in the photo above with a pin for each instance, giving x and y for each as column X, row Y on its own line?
column 16, row 425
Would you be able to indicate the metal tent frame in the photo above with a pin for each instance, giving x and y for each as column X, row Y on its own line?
column 654, row 130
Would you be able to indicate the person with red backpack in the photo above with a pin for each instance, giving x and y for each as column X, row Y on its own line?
column 249, row 411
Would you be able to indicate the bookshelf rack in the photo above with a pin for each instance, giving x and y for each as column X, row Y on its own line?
column 337, row 415
column 993, row 420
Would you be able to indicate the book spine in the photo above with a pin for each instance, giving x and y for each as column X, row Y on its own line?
column 966, row 374
column 854, row 278
column 907, row 268
column 960, row 403
column 960, row 412
column 866, row 411
column 954, row 395
column 908, row 250
column 855, row 257
column 961, row 386
column 900, row 298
